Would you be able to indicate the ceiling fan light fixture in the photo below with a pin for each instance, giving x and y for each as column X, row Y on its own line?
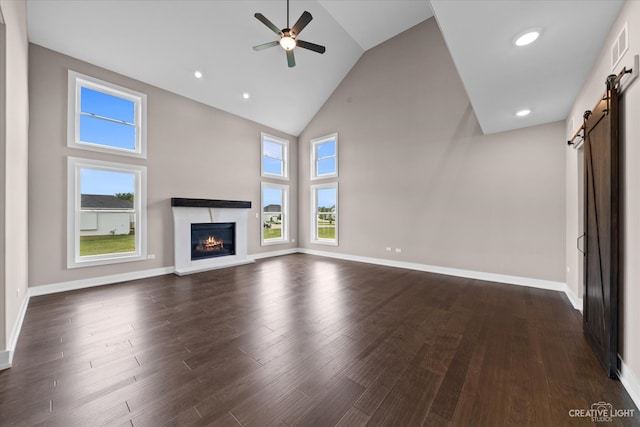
column 288, row 36
column 287, row 42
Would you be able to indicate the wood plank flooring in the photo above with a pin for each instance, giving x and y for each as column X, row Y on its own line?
column 301, row 340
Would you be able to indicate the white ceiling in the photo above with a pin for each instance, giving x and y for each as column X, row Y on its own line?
column 501, row 78
column 162, row 42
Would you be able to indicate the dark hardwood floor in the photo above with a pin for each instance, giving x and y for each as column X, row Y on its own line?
column 307, row 341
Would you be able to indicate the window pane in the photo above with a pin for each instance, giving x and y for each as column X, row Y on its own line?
column 326, row 213
column 326, row 199
column 327, row 166
column 272, row 166
column 110, row 134
column 102, row 104
column 272, row 149
column 327, row 149
column 272, row 226
column 99, row 181
column 108, row 219
column 272, row 218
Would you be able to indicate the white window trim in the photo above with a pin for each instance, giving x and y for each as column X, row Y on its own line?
column 75, row 82
column 74, row 260
column 285, row 214
column 314, row 143
column 285, row 156
column 314, row 227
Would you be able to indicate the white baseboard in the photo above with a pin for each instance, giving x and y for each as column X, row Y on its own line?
column 274, row 253
column 97, row 281
column 630, row 382
column 6, row 356
column 469, row 274
column 575, row 301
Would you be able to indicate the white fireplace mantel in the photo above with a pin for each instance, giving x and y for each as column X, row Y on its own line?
column 190, row 211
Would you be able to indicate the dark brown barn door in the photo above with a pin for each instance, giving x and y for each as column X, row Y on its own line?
column 600, row 304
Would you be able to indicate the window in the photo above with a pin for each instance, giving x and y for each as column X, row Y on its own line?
column 275, row 218
column 105, row 117
column 275, row 152
column 324, row 157
column 325, row 214
column 106, row 212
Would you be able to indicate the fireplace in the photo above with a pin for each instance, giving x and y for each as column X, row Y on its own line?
column 209, row 234
column 212, row 239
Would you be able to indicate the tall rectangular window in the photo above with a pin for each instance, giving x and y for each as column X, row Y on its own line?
column 324, row 210
column 106, row 218
column 324, row 157
column 275, row 153
column 105, row 117
column 275, row 217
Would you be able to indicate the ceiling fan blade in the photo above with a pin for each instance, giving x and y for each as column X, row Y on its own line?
column 302, row 22
column 264, row 46
column 311, row 46
column 290, row 59
column 268, row 23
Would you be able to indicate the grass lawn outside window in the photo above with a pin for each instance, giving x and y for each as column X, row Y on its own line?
column 99, row 245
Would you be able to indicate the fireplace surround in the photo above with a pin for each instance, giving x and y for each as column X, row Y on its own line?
column 209, row 234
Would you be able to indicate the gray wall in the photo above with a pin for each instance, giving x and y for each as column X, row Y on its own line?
column 193, row 151
column 629, row 291
column 416, row 173
column 13, row 179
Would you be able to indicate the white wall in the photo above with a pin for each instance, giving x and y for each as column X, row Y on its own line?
column 629, row 291
column 13, row 278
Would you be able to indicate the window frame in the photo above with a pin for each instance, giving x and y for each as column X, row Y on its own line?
column 285, row 156
column 74, row 167
column 314, row 159
column 284, row 211
column 314, row 215
column 75, row 82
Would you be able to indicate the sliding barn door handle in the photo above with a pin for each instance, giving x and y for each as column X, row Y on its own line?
column 578, row 243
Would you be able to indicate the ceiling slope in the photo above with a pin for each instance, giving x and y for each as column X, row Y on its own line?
column 545, row 77
column 162, row 42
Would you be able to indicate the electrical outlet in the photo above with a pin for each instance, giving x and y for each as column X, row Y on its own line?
column 257, row 215
column 388, row 249
column 398, row 250
column 151, row 256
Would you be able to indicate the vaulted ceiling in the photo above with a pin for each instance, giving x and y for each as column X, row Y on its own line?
column 162, row 42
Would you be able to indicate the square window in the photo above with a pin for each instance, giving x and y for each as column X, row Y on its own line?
column 105, row 117
column 324, row 157
column 275, row 153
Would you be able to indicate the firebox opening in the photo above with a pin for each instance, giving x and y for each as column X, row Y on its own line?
column 212, row 239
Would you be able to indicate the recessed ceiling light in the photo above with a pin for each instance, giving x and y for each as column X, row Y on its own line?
column 523, row 113
column 197, row 74
column 246, row 95
column 527, row 37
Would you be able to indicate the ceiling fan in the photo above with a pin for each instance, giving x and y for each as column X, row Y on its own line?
column 288, row 36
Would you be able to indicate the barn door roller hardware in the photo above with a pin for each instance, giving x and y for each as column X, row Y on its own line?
column 613, row 82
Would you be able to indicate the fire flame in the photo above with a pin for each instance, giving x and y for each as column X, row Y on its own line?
column 210, row 244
